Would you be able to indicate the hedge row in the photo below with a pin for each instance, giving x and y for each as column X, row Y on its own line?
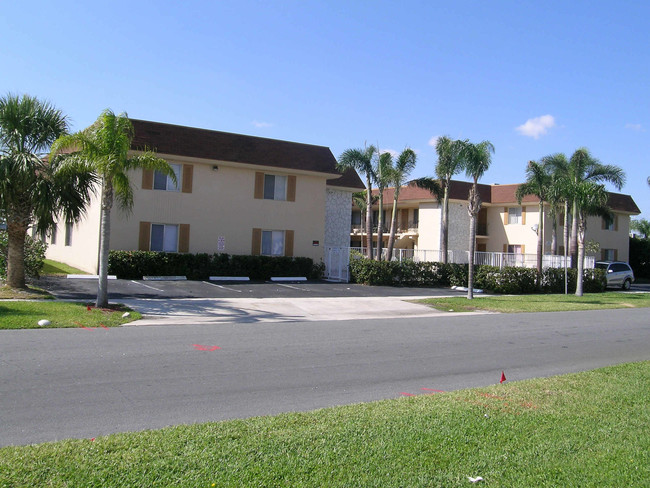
column 136, row 264
column 34, row 255
column 640, row 257
column 508, row 280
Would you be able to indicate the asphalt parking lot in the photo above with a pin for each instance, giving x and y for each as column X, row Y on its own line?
column 86, row 289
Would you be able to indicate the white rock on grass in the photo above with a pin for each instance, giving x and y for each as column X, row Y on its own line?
column 125, row 315
column 44, row 323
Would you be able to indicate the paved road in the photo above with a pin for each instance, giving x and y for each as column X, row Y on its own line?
column 61, row 383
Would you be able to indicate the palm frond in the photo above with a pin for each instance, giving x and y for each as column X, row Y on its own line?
column 431, row 185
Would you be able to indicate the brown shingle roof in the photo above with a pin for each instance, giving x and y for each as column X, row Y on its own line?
column 224, row 146
column 497, row 194
column 349, row 179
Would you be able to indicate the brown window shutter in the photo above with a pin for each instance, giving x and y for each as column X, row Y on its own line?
column 616, row 222
column 288, row 243
column 523, row 215
column 147, row 179
column 184, row 238
column 505, row 215
column 405, row 219
column 259, row 185
column 291, row 188
column 602, row 254
column 603, row 223
column 256, row 247
column 505, row 248
column 615, row 254
column 523, row 249
column 188, row 174
column 145, row 236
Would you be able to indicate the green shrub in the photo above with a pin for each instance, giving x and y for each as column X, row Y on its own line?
column 136, row 264
column 640, row 257
column 34, row 255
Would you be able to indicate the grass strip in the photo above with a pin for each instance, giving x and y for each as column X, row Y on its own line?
column 26, row 314
column 56, row 268
column 587, row 429
column 540, row 303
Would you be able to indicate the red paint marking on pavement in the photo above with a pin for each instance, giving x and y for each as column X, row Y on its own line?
column 431, row 389
column 200, row 347
column 403, row 393
column 103, row 326
column 83, row 326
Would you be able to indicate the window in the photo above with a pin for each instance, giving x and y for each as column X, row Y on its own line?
column 68, row 234
column 164, row 237
column 608, row 254
column 275, row 187
column 273, row 243
column 53, row 235
column 356, row 217
column 163, row 182
column 515, row 249
column 416, row 217
column 514, row 215
column 609, row 223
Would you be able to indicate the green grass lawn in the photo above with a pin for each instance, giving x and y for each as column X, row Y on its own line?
column 540, row 303
column 26, row 314
column 58, row 269
column 588, row 429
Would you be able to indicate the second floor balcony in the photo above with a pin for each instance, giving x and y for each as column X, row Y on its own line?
column 410, row 227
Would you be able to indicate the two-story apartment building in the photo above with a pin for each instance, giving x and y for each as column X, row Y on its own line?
column 234, row 193
column 504, row 225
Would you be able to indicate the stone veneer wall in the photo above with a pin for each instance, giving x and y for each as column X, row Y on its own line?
column 458, row 227
column 338, row 218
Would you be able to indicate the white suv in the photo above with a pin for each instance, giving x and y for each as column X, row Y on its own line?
column 618, row 273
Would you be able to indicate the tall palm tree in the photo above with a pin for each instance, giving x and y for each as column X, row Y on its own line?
column 403, row 166
column 557, row 165
column 642, row 226
column 361, row 160
column 538, row 183
column 590, row 199
column 34, row 190
column 105, row 146
column 383, row 177
column 478, row 158
column 584, row 167
column 451, row 155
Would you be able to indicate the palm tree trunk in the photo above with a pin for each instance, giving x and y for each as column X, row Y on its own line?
column 553, row 217
column 581, row 257
column 380, row 225
column 473, row 209
column 369, row 217
column 393, row 229
column 444, row 226
column 574, row 236
column 540, row 238
column 16, row 232
column 104, row 244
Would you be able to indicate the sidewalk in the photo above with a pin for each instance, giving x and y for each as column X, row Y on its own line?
column 250, row 310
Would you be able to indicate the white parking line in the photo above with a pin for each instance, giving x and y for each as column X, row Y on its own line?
column 146, row 286
column 292, row 287
column 221, row 286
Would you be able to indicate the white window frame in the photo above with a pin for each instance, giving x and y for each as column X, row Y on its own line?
column 275, row 243
column 164, row 182
column 514, row 215
column 169, row 237
column 275, row 187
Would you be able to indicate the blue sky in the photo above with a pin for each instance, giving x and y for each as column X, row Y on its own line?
column 534, row 78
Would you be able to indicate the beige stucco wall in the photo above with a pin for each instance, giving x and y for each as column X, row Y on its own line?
column 222, row 204
column 429, row 227
column 84, row 248
column 611, row 239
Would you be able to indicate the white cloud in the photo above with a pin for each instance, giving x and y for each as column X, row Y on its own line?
column 261, row 125
column 433, row 141
column 635, row 127
column 536, row 127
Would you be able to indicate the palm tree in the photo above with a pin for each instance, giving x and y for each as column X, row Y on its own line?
column 361, row 160
column 405, row 163
column 590, row 199
column 383, row 175
column 34, row 190
column 451, row 155
column 642, row 226
column 557, row 165
column 105, row 146
column 584, row 167
column 478, row 158
column 538, row 183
